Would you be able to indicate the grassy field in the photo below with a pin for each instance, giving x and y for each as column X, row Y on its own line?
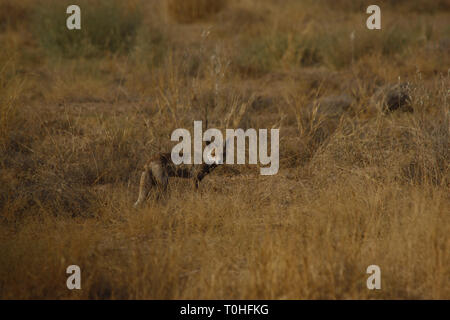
column 81, row 112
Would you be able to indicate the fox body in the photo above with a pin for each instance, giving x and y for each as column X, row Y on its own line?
column 160, row 167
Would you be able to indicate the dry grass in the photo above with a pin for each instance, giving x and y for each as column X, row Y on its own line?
column 356, row 186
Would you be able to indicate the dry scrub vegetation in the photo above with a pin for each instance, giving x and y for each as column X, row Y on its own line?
column 81, row 111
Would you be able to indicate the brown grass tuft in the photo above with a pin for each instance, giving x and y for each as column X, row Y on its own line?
column 188, row 11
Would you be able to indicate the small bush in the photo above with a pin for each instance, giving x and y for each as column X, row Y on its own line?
column 395, row 40
column 188, row 11
column 338, row 50
column 151, row 46
column 260, row 55
column 13, row 13
column 106, row 26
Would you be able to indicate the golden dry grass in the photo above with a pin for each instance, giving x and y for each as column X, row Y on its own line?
column 356, row 187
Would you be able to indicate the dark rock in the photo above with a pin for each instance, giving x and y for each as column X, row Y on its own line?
column 393, row 97
column 261, row 103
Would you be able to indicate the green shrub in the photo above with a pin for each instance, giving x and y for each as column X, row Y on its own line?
column 338, row 50
column 395, row 40
column 333, row 48
column 151, row 46
column 261, row 54
column 106, row 26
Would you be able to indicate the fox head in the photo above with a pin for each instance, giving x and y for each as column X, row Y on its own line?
column 214, row 155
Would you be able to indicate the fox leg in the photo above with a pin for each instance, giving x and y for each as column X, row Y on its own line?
column 143, row 187
column 160, row 177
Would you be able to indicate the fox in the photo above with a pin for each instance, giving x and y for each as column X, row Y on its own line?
column 160, row 168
